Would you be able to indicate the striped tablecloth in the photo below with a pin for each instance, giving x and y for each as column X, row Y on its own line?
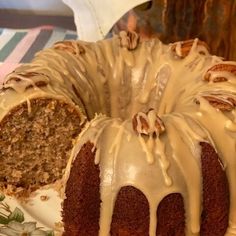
column 19, row 46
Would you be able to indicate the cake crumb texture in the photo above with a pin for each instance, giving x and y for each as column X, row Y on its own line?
column 35, row 144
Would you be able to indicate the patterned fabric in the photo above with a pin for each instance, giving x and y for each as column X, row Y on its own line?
column 19, row 46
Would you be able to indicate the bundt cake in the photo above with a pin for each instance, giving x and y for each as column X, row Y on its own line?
column 152, row 128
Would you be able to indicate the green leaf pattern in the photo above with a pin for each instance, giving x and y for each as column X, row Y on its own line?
column 16, row 215
column 12, row 223
column 4, row 220
column 2, row 197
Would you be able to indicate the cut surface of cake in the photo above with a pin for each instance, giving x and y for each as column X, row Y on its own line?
column 152, row 128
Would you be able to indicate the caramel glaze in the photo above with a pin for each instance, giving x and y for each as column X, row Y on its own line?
column 131, row 210
column 160, row 165
column 120, row 77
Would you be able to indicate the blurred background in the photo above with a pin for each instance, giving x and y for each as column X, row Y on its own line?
column 213, row 21
column 32, row 13
column 43, row 7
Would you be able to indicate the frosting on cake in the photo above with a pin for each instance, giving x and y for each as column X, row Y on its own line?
column 159, row 163
column 193, row 95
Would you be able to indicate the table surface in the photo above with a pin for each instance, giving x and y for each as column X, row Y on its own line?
column 17, row 20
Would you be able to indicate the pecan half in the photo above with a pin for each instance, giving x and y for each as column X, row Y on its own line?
column 148, row 123
column 218, row 72
column 182, row 49
column 12, row 80
column 70, row 46
column 221, row 102
column 37, row 84
column 25, row 75
column 129, row 39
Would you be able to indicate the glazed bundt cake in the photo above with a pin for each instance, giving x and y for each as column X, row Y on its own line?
column 152, row 128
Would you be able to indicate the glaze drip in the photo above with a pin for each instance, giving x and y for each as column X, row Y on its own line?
column 171, row 86
column 108, row 78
